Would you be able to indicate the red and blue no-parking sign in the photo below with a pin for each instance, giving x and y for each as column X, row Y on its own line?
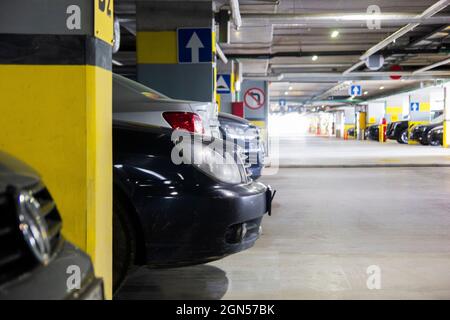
column 254, row 98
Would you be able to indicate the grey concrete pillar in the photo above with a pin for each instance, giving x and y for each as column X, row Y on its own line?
column 176, row 48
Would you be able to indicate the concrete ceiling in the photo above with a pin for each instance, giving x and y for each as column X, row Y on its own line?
column 281, row 37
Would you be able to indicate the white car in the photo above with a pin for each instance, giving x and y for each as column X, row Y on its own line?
column 134, row 102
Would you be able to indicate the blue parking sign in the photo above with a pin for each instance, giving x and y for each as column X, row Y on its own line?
column 414, row 106
column 194, row 45
column 355, row 90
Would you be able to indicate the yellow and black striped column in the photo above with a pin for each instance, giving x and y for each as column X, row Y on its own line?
column 56, row 114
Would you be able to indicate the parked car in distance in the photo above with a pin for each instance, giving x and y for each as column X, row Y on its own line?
column 34, row 257
column 351, row 132
column 168, row 214
column 246, row 136
column 420, row 132
column 134, row 102
column 435, row 136
column 372, row 132
column 398, row 131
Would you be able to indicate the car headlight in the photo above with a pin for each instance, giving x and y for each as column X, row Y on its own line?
column 218, row 160
column 222, row 167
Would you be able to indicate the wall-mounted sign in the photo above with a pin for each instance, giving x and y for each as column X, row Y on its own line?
column 254, row 98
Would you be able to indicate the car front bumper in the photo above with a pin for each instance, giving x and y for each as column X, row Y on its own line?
column 55, row 281
column 203, row 225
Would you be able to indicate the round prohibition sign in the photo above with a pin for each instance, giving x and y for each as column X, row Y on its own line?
column 254, row 98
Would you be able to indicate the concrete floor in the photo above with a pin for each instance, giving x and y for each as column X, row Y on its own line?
column 313, row 150
column 328, row 226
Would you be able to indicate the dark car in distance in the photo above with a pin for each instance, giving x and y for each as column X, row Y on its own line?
column 372, row 133
column 246, row 136
column 34, row 257
column 351, row 132
column 169, row 213
column 420, row 132
column 398, row 131
column 435, row 136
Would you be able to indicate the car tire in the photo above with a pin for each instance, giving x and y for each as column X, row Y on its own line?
column 403, row 137
column 434, row 143
column 124, row 243
column 424, row 142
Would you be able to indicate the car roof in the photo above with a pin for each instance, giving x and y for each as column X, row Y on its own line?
column 126, row 91
column 232, row 117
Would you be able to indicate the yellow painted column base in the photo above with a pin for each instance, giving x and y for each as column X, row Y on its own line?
column 58, row 118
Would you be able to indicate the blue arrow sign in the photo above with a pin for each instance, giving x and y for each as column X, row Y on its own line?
column 194, row 45
column 355, row 90
column 414, row 106
column 223, row 83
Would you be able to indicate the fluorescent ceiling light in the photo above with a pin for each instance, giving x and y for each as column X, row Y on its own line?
column 334, row 33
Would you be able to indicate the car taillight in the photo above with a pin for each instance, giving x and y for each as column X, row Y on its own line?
column 185, row 120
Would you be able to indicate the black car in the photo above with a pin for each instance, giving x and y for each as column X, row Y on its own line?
column 435, row 136
column 372, row 133
column 398, row 131
column 420, row 132
column 168, row 214
column 35, row 260
column 248, row 137
column 351, row 132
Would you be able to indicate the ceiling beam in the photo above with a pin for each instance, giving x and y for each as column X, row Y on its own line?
column 425, row 16
column 432, row 66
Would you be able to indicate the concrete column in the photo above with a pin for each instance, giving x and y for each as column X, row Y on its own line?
column 226, row 74
column 446, row 134
column 422, row 99
column 56, row 85
column 419, row 112
column 394, row 108
column 375, row 112
column 255, row 95
column 349, row 119
column 176, row 48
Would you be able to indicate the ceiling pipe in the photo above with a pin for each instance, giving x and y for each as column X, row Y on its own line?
column 423, row 17
column 236, row 14
column 299, row 54
column 432, row 66
column 428, row 13
column 276, row 77
column 309, row 65
column 367, row 73
column 330, row 77
column 339, row 19
column 353, row 67
column 221, row 54
column 329, row 91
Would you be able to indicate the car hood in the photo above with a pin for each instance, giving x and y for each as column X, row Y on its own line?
column 16, row 173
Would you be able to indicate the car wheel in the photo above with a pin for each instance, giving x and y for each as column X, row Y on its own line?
column 434, row 143
column 403, row 137
column 424, row 141
column 124, row 243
